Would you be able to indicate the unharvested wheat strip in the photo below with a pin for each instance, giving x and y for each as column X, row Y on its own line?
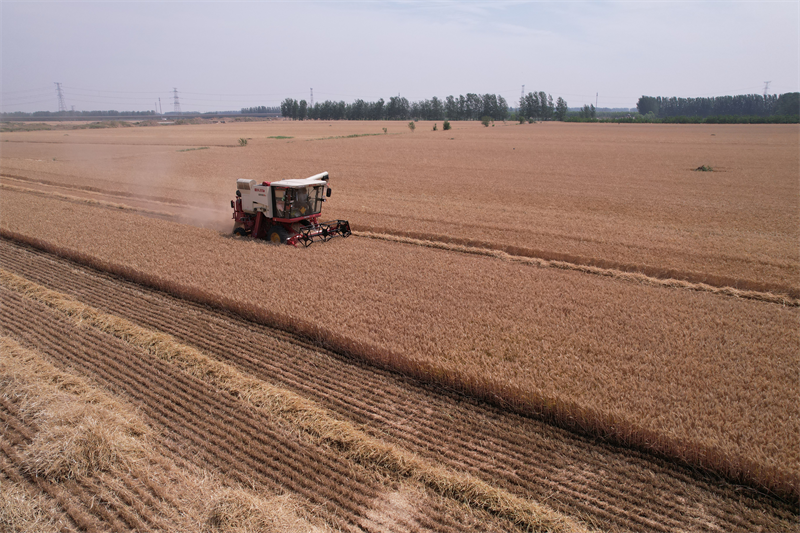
column 304, row 413
column 587, row 269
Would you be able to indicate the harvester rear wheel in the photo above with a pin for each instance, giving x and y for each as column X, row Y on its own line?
column 277, row 235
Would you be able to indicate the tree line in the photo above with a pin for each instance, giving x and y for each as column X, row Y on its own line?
column 751, row 105
column 261, row 110
column 540, row 106
column 45, row 114
column 463, row 107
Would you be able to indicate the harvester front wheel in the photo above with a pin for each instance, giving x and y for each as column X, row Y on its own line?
column 277, row 235
column 240, row 232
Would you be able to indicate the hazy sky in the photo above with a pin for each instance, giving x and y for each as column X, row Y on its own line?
column 228, row 55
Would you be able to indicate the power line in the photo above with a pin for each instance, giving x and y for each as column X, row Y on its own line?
column 61, row 105
column 177, row 104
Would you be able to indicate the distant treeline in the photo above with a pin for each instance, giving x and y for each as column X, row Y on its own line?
column 744, row 105
column 469, row 107
column 261, row 110
column 716, row 119
column 56, row 114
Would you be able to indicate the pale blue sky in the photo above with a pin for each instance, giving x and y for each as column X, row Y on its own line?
column 228, row 55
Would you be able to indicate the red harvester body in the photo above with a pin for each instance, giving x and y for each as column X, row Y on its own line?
column 286, row 211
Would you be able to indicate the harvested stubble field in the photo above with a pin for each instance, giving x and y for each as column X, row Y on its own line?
column 704, row 379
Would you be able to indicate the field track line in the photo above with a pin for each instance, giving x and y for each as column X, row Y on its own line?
column 97, row 190
column 119, row 144
column 302, row 413
column 633, row 277
column 90, row 201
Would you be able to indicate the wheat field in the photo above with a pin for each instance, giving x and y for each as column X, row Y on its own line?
column 613, row 195
column 703, row 378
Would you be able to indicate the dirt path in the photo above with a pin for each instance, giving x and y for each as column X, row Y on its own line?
column 611, row 488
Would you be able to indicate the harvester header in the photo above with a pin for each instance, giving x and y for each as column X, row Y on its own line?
column 286, row 211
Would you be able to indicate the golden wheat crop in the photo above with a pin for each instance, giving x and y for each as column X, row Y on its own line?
column 704, row 378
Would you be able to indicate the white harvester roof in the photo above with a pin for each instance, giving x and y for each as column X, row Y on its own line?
column 317, row 179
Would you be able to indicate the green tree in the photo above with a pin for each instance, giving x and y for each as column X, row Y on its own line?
column 437, row 109
column 788, row 104
column 561, row 109
column 588, row 111
column 302, row 110
column 647, row 104
column 451, row 108
column 286, row 107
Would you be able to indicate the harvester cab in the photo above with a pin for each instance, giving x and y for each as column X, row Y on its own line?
column 286, row 211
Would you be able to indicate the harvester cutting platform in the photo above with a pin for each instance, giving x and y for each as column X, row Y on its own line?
column 286, row 211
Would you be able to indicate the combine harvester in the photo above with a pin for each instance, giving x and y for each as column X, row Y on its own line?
column 286, row 211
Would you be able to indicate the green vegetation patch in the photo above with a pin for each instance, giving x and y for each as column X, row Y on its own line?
column 280, row 137
column 704, row 168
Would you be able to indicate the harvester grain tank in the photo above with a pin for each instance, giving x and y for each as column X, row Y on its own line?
column 286, row 211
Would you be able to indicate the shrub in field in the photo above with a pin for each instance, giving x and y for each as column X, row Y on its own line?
column 486, row 120
column 412, row 126
column 446, row 125
column 704, row 168
column 242, row 142
column 434, row 126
